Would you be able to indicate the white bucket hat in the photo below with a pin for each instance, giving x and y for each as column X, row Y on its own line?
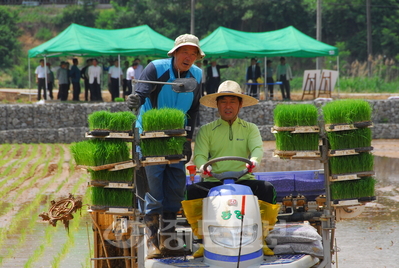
column 228, row 88
column 187, row 40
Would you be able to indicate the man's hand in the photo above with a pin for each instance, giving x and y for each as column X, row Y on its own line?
column 133, row 101
column 253, row 167
column 187, row 151
column 205, row 174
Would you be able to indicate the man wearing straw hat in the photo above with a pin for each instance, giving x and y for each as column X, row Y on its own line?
column 167, row 182
column 228, row 136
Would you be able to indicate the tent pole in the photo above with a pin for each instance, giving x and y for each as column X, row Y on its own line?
column 119, row 77
column 265, row 79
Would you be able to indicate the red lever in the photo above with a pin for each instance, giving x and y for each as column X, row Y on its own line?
column 192, row 169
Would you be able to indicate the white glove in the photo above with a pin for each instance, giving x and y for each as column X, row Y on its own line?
column 253, row 167
column 201, row 171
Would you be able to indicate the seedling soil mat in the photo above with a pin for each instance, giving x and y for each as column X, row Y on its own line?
column 163, row 134
column 351, row 176
column 111, row 167
column 158, row 160
column 352, row 151
column 297, row 154
column 104, row 134
column 353, row 201
column 113, row 210
column 344, row 126
column 298, row 129
column 112, row 184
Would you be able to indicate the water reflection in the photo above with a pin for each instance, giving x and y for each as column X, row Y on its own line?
column 370, row 240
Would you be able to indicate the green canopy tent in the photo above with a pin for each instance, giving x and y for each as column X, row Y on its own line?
column 288, row 42
column 77, row 40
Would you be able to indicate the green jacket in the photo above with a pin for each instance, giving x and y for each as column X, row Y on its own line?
column 218, row 139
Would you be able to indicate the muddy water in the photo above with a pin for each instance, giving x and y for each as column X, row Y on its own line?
column 370, row 240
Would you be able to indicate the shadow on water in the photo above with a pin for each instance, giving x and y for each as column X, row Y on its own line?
column 370, row 240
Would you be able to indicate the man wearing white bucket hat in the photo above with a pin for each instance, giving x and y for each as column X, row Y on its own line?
column 227, row 136
column 167, row 182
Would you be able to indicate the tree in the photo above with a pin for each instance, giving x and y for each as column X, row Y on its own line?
column 84, row 15
column 10, row 47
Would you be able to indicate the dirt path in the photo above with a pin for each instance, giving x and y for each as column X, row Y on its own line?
column 26, row 95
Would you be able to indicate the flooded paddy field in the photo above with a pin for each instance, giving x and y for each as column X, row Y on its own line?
column 33, row 175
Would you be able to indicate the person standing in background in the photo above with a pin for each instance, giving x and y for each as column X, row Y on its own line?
column 114, row 76
column 124, row 81
column 50, row 80
column 213, row 76
column 253, row 73
column 94, row 73
column 85, row 78
column 284, row 75
column 269, row 78
column 130, row 74
column 63, row 82
column 75, row 79
column 69, row 75
column 139, row 68
column 41, row 72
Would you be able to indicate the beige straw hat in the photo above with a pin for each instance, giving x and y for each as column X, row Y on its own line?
column 228, row 88
column 187, row 40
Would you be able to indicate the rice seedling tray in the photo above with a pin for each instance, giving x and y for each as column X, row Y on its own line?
column 353, row 151
column 352, row 201
column 345, row 126
column 296, row 129
column 157, row 160
column 111, row 167
column 163, row 133
column 105, row 134
column 297, row 154
column 112, row 184
column 351, row 176
column 113, row 210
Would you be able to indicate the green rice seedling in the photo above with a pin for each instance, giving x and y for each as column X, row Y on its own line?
column 99, row 120
column 104, row 120
column 291, row 115
column 163, row 119
column 352, row 163
column 353, row 189
column 121, row 121
column 97, row 152
column 123, row 175
column 119, row 99
column 286, row 141
column 162, row 146
column 347, row 139
column 346, row 111
column 111, row 197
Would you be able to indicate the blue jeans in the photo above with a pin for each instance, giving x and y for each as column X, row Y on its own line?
column 167, row 184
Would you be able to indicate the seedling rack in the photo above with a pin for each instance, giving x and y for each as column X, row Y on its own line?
column 118, row 230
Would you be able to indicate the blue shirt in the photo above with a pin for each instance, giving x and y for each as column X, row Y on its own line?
column 161, row 96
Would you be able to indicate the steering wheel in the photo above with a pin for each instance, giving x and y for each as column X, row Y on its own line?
column 228, row 174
